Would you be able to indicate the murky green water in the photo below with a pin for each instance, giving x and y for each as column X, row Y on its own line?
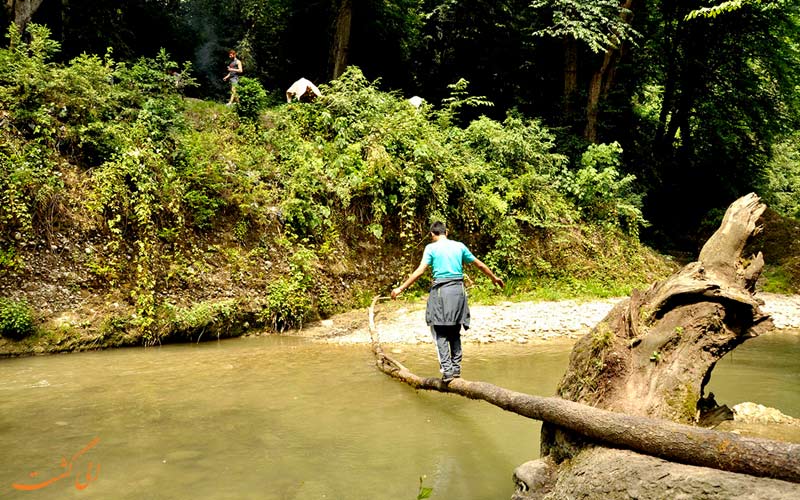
column 764, row 370
column 280, row 418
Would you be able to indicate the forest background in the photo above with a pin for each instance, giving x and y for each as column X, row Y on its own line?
column 582, row 148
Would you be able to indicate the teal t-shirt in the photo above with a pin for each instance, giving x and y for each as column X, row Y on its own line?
column 446, row 258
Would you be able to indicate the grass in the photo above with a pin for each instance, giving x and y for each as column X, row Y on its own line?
column 777, row 279
column 549, row 289
column 537, row 290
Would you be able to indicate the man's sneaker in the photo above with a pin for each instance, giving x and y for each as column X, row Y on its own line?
column 447, row 378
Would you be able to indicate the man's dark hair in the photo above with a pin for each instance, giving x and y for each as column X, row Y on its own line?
column 438, row 228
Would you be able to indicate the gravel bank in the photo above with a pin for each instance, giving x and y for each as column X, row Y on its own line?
column 515, row 322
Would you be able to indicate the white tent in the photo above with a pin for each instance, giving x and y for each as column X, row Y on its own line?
column 416, row 101
column 302, row 88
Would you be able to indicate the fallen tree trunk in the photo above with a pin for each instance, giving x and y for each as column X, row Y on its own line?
column 661, row 438
column 635, row 380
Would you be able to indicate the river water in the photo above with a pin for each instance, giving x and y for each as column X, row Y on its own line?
column 284, row 418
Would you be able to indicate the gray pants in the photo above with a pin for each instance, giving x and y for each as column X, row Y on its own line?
column 448, row 347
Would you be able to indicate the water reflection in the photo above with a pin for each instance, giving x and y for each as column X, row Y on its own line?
column 765, row 370
column 278, row 418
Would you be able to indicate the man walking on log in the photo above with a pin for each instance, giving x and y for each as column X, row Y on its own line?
column 447, row 308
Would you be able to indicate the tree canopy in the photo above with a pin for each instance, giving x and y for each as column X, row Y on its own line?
column 699, row 95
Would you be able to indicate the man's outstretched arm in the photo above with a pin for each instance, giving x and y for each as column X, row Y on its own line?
column 488, row 272
column 411, row 279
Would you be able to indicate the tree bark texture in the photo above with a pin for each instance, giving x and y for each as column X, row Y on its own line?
column 634, row 381
column 653, row 354
column 570, row 73
column 614, row 474
column 341, row 38
column 21, row 11
column 602, row 79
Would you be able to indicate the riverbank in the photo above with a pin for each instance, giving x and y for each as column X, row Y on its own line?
column 403, row 322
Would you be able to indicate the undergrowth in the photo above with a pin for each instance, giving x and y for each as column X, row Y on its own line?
column 300, row 204
column 16, row 319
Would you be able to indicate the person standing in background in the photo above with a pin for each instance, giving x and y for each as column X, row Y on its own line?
column 234, row 70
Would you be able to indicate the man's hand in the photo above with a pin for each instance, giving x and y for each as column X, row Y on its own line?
column 488, row 272
column 397, row 291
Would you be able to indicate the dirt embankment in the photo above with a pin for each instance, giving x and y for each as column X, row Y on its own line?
column 519, row 322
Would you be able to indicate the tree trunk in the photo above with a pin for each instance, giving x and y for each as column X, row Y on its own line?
column 21, row 11
column 634, row 381
column 680, row 86
column 593, row 101
column 602, row 79
column 669, row 73
column 570, row 73
column 341, row 38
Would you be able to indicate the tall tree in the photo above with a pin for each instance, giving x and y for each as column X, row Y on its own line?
column 603, row 27
column 341, row 38
column 726, row 89
column 484, row 42
column 21, row 11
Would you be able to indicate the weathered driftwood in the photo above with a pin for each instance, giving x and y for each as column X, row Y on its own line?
column 635, row 380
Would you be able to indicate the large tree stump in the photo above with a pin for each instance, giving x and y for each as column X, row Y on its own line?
column 654, row 353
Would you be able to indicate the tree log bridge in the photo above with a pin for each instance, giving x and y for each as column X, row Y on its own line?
column 660, row 438
column 634, row 381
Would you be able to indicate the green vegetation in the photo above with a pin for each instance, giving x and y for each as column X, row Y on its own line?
column 424, row 491
column 783, row 177
column 252, row 98
column 16, row 319
column 594, row 73
column 188, row 215
column 779, row 280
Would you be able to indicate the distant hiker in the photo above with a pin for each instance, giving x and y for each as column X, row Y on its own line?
column 447, row 308
column 234, row 70
column 177, row 78
column 302, row 90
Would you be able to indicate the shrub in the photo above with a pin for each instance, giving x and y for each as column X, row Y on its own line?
column 360, row 159
column 16, row 319
column 288, row 305
column 289, row 302
column 252, row 98
column 781, row 184
column 601, row 192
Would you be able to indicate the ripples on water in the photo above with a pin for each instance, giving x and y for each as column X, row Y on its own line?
column 281, row 418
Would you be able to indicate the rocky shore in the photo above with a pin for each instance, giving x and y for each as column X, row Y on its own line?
column 515, row 322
